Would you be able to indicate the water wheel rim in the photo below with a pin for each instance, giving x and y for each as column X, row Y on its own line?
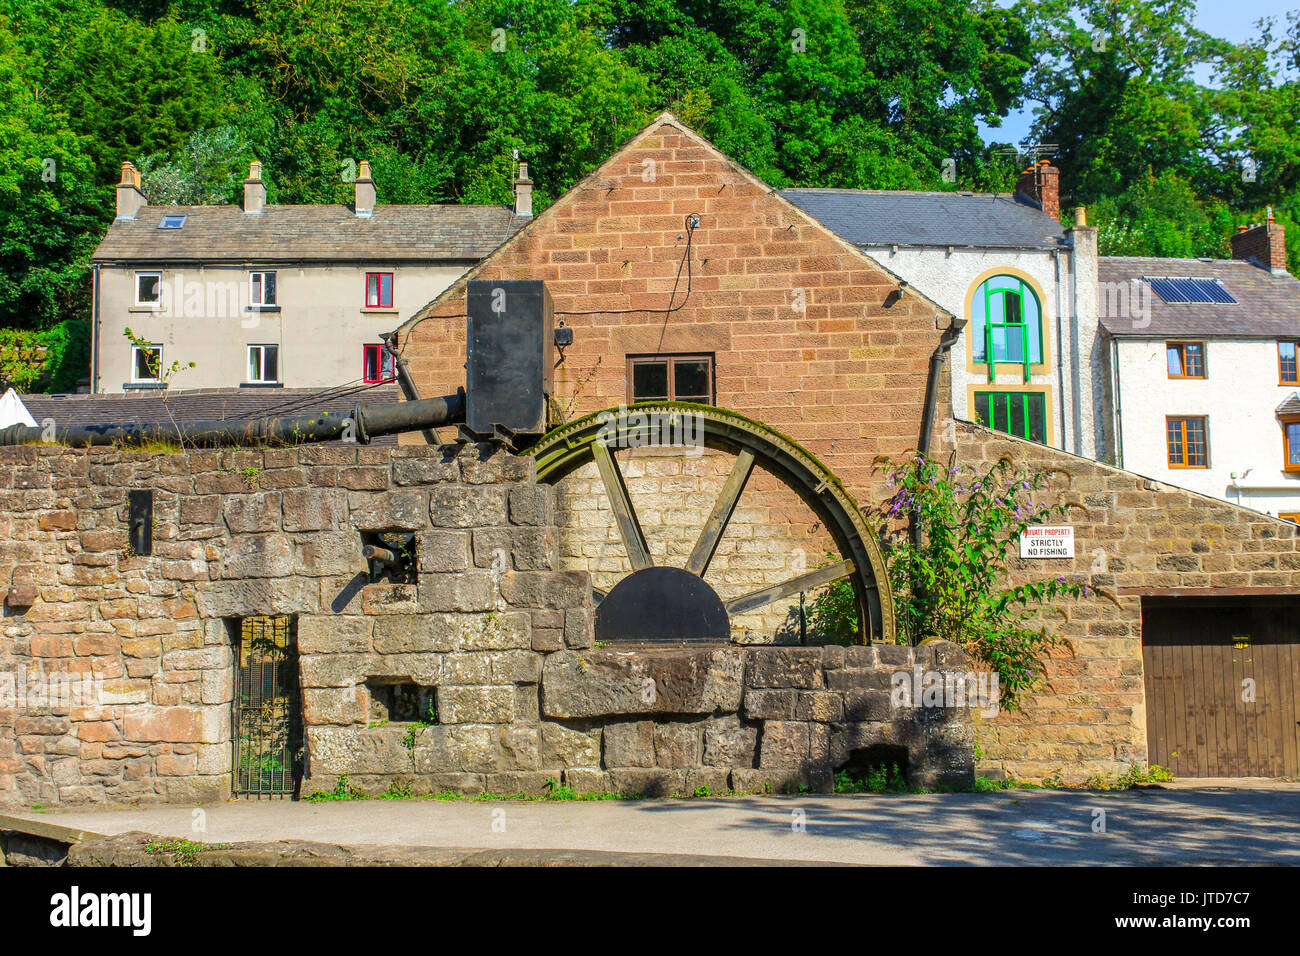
column 567, row 447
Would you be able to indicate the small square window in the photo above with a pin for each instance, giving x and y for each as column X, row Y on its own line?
column 1185, row 359
column 263, row 363
column 146, row 363
column 148, row 288
column 172, row 221
column 671, row 378
column 379, row 290
column 261, row 288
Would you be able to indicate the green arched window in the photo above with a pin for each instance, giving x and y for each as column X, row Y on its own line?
column 1006, row 324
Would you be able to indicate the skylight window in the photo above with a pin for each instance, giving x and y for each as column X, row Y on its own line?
column 1178, row 290
column 172, row 221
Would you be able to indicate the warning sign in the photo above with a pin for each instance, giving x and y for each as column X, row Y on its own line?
column 1045, row 542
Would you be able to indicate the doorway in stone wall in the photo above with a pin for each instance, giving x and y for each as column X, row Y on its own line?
column 267, row 717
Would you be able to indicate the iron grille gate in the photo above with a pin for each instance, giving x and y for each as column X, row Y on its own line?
column 267, row 708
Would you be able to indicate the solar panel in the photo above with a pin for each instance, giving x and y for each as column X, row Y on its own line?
column 1174, row 289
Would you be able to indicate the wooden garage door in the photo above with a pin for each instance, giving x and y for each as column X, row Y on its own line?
column 1197, row 657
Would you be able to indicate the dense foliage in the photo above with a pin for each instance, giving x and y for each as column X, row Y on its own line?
column 853, row 93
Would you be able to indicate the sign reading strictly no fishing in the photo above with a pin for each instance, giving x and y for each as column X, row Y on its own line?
column 1047, row 542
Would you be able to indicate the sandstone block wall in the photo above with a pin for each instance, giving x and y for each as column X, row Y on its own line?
column 488, row 633
column 1131, row 534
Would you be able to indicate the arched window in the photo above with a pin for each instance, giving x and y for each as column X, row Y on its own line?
column 1006, row 324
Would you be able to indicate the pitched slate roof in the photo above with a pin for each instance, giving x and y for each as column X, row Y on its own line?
column 1267, row 306
column 304, row 233
column 868, row 217
column 204, row 404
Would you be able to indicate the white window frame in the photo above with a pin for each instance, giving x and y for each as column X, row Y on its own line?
column 261, row 365
column 135, row 350
column 263, row 274
column 156, row 303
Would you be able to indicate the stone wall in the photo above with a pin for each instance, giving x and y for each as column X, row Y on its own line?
column 1132, row 534
column 488, row 632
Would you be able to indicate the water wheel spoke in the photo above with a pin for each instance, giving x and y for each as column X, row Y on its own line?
column 804, row 582
column 629, row 528
column 716, row 524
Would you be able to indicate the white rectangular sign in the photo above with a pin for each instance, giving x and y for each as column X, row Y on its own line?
column 1047, row 542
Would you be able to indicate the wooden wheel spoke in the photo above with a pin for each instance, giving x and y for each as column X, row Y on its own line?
column 629, row 528
column 716, row 524
column 804, row 582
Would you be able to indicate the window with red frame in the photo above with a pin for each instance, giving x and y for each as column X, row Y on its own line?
column 377, row 365
column 379, row 290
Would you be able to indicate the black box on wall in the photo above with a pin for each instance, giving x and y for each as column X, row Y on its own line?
column 510, row 349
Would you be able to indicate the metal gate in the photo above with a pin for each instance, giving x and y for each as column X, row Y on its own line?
column 267, row 708
column 1221, row 686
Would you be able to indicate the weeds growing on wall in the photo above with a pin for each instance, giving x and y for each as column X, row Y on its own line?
column 951, row 581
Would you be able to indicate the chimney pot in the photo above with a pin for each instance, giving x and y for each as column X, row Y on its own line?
column 365, row 195
column 130, row 197
column 1081, row 216
column 523, row 192
column 254, row 189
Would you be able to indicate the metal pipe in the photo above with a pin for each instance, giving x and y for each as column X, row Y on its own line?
column 364, row 423
column 946, row 342
column 373, row 553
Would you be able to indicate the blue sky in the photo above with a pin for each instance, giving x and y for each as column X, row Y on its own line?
column 1229, row 19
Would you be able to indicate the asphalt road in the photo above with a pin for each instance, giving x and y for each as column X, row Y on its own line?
column 1219, row 826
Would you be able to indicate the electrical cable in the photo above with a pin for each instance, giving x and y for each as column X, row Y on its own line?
column 692, row 223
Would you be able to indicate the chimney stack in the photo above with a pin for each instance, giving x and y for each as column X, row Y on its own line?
column 366, row 195
column 1042, row 184
column 254, row 189
column 130, row 198
column 1264, row 245
column 523, row 192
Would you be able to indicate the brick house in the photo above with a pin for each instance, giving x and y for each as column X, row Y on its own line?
column 269, row 296
column 683, row 276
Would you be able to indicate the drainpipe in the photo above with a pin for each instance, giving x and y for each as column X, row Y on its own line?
column 1119, row 407
column 94, row 332
column 946, row 342
column 404, row 380
column 1076, row 359
column 1060, row 348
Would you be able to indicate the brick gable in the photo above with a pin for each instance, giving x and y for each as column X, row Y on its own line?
column 809, row 334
